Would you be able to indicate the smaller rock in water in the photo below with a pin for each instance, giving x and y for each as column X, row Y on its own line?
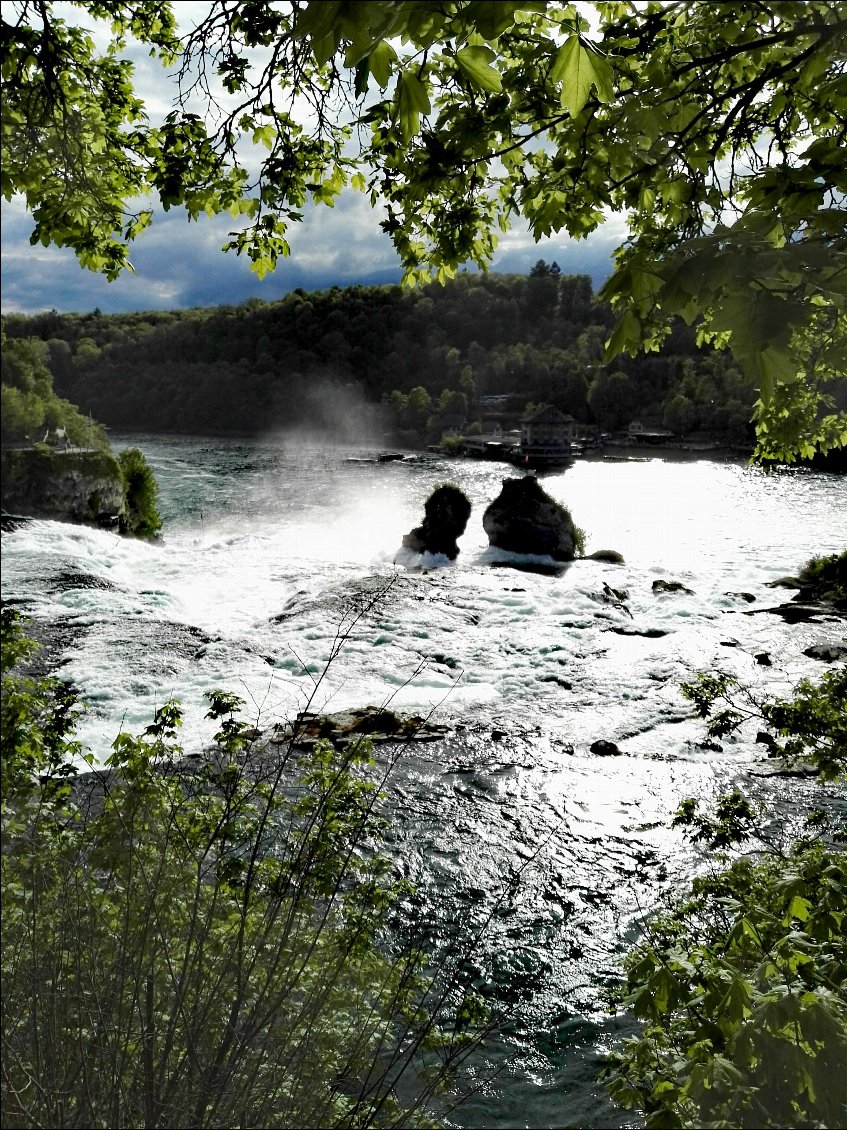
column 763, row 659
column 605, row 749
column 745, row 596
column 446, row 514
column 615, row 594
column 828, row 652
column 671, row 586
column 610, row 555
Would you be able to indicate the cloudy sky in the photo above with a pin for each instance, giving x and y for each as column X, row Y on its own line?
column 180, row 263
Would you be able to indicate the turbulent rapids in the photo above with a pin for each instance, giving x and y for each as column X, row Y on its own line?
column 273, row 556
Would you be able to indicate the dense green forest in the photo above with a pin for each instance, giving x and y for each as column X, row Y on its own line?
column 429, row 355
column 31, row 408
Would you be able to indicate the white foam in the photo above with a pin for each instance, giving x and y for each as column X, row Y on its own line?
column 276, row 587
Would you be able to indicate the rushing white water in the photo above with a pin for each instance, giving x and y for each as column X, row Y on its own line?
column 268, row 553
column 271, row 553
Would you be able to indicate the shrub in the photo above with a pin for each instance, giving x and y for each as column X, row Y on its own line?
column 742, row 987
column 809, row 729
column 825, row 578
column 193, row 945
column 452, row 445
column 141, row 493
column 742, row 990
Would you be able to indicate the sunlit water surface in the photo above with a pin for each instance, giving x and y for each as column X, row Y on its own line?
column 272, row 553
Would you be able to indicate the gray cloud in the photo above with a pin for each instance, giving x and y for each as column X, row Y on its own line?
column 180, row 263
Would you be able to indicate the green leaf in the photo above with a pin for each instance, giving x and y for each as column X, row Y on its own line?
column 799, row 908
column 412, row 101
column 476, row 64
column 626, row 336
column 768, row 367
column 380, row 62
column 579, row 70
column 264, row 135
column 736, row 1004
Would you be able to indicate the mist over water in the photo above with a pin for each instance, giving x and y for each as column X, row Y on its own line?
column 272, row 548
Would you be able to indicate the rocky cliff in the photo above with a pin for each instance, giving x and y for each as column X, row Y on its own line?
column 70, row 486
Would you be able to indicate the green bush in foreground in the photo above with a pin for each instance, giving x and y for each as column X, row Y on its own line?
column 742, row 987
column 201, row 946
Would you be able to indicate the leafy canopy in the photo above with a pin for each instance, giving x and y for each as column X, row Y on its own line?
column 717, row 129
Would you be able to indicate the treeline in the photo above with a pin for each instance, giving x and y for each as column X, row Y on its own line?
column 428, row 356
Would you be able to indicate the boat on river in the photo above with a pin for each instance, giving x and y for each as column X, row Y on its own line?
column 544, row 457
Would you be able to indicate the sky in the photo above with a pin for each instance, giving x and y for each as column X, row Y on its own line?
column 180, row 264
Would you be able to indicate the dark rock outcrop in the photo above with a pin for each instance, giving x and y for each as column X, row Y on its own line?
column 604, row 748
column 609, row 555
column 784, row 583
column 823, row 580
column 800, row 613
column 525, row 519
column 827, row 652
column 372, row 722
column 628, row 630
column 70, row 486
column 671, row 586
column 446, row 514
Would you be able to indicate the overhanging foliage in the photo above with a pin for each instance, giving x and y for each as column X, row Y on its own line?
column 718, row 130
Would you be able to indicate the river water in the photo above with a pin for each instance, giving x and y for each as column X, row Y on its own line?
column 274, row 552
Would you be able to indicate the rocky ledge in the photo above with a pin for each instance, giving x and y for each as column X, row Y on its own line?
column 372, row 722
column 68, row 486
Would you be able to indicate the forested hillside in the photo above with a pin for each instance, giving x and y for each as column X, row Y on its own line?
column 430, row 355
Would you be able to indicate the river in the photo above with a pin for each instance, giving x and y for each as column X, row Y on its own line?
column 274, row 548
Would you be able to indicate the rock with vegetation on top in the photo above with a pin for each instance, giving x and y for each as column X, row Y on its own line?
column 525, row 519
column 823, row 591
column 91, row 487
column 446, row 514
column 824, row 579
column 69, row 486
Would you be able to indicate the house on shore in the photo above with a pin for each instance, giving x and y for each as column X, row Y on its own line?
column 548, row 427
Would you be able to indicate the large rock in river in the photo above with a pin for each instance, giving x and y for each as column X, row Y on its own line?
column 446, row 514
column 525, row 519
